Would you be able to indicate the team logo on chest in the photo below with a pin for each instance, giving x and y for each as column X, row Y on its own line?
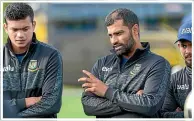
column 33, row 65
column 135, row 70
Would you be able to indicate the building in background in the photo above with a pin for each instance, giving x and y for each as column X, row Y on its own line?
column 78, row 31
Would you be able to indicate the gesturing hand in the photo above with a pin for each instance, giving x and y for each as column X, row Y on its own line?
column 93, row 84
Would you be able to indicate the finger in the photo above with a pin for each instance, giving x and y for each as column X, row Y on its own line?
column 37, row 99
column 86, row 85
column 140, row 92
column 90, row 89
column 83, row 79
column 89, row 74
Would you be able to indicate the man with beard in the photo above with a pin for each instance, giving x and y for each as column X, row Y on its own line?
column 132, row 81
column 181, row 81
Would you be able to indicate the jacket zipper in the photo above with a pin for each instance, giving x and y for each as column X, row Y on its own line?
column 118, row 74
column 19, row 65
column 20, row 68
column 20, row 72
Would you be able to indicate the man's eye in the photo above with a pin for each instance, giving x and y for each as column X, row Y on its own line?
column 184, row 46
column 118, row 33
column 14, row 30
column 25, row 29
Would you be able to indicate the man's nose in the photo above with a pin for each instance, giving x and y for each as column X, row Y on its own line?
column 114, row 40
column 188, row 49
column 20, row 34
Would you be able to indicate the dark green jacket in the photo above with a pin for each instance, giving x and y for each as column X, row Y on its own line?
column 143, row 71
column 39, row 74
column 179, row 88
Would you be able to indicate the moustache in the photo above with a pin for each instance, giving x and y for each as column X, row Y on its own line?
column 188, row 55
column 117, row 45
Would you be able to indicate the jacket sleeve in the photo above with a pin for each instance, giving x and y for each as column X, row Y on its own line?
column 170, row 104
column 8, row 110
column 12, row 106
column 20, row 103
column 50, row 102
column 98, row 106
column 153, row 95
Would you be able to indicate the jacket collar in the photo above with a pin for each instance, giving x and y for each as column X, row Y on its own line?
column 188, row 70
column 138, row 52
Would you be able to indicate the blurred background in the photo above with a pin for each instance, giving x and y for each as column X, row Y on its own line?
column 77, row 30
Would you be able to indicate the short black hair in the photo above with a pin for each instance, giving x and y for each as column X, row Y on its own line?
column 184, row 40
column 129, row 17
column 18, row 11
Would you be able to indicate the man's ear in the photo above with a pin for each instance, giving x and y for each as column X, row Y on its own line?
column 5, row 27
column 135, row 30
column 34, row 25
column 179, row 44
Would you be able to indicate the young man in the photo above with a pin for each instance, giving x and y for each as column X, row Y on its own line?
column 181, row 81
column 32, row 70
column 129, row 83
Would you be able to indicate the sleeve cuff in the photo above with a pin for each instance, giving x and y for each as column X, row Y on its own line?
column 180, row 114
column 109, row 94
column 21, row 103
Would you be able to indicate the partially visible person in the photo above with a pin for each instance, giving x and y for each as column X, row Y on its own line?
column 188, row 106
column 132, row 81
column 181, row 81
column 32, row 70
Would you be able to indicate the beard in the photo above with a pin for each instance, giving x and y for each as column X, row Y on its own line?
column 188, row 62
column 125, row 49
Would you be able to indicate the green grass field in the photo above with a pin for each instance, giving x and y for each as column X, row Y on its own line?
column 71, row 103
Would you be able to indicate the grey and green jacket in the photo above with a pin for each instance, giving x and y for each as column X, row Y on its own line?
column 143, row 71
column 39, row 74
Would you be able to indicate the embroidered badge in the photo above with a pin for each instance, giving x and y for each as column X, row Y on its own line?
column 135, row 70
column 33, row 65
